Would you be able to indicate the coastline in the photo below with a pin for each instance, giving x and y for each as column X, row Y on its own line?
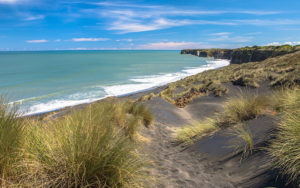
column 219, row 105
column 135, row 94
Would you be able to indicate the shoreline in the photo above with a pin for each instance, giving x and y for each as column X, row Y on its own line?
column 61, row 111
column 134, row 94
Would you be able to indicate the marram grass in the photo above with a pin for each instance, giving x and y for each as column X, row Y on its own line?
column 91, row 147
column 285, row 147
column 242, row 108
column 11, row 138
column 189, row 133
column 244, row 138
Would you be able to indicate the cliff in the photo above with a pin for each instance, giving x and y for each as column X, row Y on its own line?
column 243, row 55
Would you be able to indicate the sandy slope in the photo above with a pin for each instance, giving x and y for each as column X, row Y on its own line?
column 211, row 161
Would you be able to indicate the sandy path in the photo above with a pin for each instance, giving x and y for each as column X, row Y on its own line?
column 175, row 166
column 209, row 162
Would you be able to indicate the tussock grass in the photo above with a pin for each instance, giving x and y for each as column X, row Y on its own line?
column 286, row 99
column 90, row 147
column 146, row 97
column 142, row 112
column 189, row 133
column 245, row 138
column 280, row 71
column 284, row 148
column 242, row 108
column 12, row 132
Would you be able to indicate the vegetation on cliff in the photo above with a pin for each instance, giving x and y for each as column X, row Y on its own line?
column 281, row 71
column 245, row 54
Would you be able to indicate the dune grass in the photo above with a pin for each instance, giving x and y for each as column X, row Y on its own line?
column 280, row 71
column 245, row 138
column 242, row 108
column 91, row 147
column 285, row 99
column 235, row 111
column 189, row 133
column 11, row 138
column 284, row 148
column 142, row 112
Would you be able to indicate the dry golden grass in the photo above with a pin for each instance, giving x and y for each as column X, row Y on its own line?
column 91, row 147
column 242, row 108
column 280, row 71
column 189, row 133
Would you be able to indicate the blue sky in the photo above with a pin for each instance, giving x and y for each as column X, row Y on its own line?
column 142, row 24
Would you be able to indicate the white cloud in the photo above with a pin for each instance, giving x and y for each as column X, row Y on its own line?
column 9, row 1
column 89, row 39
column 168, row 45
column 254, row 12
column 293, row 43
column 110, row 4
column 58, row 40
column 32, row 18
column 259, row 22
column 127, row 40
column 135, row 26
column 220, row 34
column 129, row 18
column 278, row 43
column 37, row 41
column 226, row 36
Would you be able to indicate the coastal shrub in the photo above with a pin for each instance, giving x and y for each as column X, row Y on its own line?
column 242, row 108
column 88, row 148
column 11, row 139
column 284, row 148
column 189, row 133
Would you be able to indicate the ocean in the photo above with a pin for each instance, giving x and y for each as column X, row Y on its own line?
column 49, row 80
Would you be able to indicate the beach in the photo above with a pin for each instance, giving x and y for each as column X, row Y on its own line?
column 219, row 157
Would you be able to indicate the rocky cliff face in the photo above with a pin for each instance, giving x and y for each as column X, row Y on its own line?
column 242, row 55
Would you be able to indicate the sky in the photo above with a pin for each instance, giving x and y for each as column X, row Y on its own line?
column 146, row 25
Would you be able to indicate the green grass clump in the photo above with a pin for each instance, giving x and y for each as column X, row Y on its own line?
column 242, row 108
column 142, row 112
column 244, row 137
column 146, row 97
column 285, row 147
column 88, row 148
column 286, row 99
column 189, row 133
column 11, row 139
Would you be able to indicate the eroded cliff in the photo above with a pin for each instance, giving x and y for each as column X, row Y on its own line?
column 243, row 55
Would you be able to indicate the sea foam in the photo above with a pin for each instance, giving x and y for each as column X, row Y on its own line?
column 149, row 82
column 137, row 84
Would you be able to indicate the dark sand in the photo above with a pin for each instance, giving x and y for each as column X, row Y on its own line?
column 211, row 161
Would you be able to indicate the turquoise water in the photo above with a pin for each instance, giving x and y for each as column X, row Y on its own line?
column 49, row 80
